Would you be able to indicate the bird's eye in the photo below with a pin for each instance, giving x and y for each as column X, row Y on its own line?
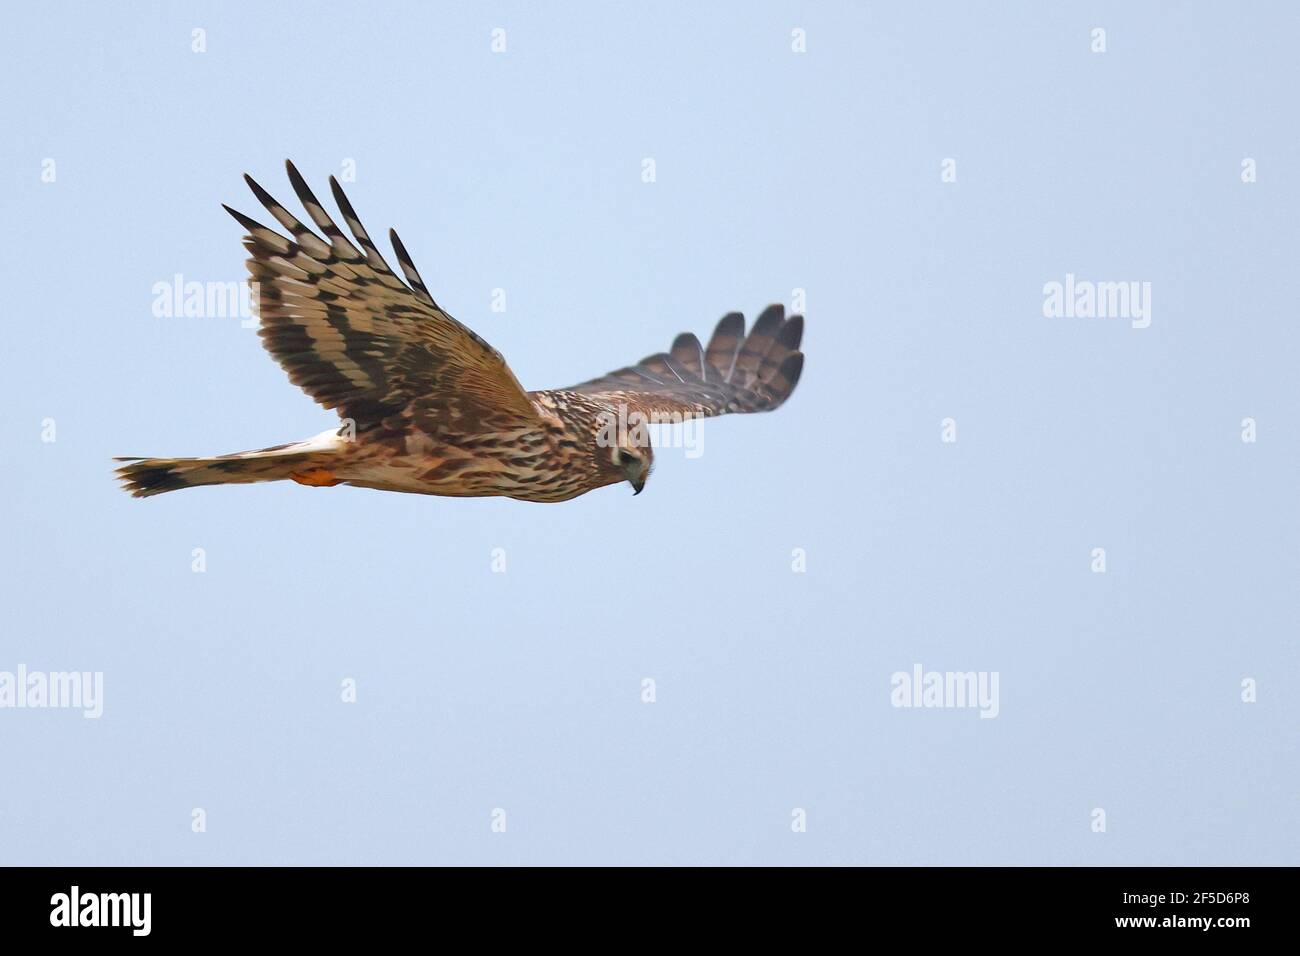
column 626, row 457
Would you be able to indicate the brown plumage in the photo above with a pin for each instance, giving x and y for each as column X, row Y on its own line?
column 429, row 407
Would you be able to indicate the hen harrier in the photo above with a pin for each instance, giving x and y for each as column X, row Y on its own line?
column 429, row 407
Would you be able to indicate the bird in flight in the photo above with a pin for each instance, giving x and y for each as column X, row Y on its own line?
column 429, row 407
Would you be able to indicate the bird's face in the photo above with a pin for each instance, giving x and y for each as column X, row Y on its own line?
column 634, row 461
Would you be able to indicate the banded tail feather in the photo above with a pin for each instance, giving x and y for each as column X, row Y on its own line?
column 309, row 462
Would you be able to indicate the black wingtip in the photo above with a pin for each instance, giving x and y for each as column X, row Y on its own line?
column 262, row 195
column 341, row 198
column 299, row 184
column 239, row 217
column 791, row 333
column 400, row 249
column 733, row 323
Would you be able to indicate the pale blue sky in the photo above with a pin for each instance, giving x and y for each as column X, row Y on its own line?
column 775, row 171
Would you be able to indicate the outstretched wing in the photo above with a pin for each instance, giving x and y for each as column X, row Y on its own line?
column 356, row 338
column 736, row 373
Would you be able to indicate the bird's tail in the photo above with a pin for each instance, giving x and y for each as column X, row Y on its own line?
column 304, row 462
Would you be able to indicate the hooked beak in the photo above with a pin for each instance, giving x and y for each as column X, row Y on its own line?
column 637, row 484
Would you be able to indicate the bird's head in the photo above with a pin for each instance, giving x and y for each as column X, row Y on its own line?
column 632, row 460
